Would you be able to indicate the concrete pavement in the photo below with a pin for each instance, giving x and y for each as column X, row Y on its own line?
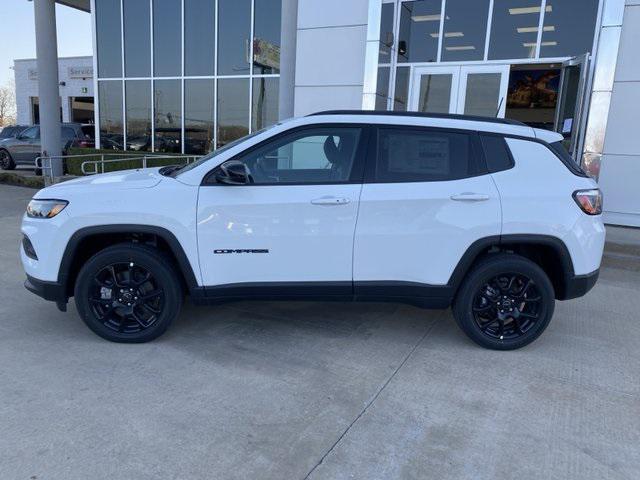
column 276, row 390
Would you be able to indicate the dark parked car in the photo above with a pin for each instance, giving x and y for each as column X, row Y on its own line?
column 12, row 130
column 25, row 147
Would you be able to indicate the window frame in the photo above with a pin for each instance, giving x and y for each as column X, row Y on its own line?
column 372, row 162
column 356, row 175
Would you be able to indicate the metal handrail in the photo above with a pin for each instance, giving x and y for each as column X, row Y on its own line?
column 44, row 162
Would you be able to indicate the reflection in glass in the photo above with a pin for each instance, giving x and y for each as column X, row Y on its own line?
column 401, row 95
column 569, row 26
column 167, row 38
column 110, row 94
column 137, row 41
column 167, row 116
column 138, row 105
column 435, row 93
column 108, row 38
column 465, row 30
column 199, row 36
column 382, row 90
column 386, row 33
column 266, row 36
column 265, row 103
column 482, row 94
column 233, row 109
column 199, row 104
column 418, row 21
column 514, row 29
column 234, row 31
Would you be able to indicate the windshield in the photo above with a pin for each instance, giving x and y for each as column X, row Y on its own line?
column 215, row 153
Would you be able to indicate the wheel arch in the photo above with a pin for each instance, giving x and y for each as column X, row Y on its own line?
column 548, row 252
column 87, row 241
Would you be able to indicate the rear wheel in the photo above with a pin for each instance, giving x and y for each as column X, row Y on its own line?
column 6, row 162
column 506, row 302
column 128, row 293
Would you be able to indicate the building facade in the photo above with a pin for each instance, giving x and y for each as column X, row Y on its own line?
column 76, row 90
column 192, row 75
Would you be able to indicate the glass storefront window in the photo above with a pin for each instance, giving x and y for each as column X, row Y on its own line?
column 465, row 30
column 111, row 128
column 108, row 37
column 199, row 104
column 514, row 29
column 435, row 93
column 401, row 96
column 234, row 31
column 382, row 90
column 138, row 106
column 167, row 117
column 199, row 37
column 569, row 26
column 137, row 38
column 419, row 25
column 266, row 36
column 233, row 109
column 167, row 38
column 264, row 108
column 386, row 33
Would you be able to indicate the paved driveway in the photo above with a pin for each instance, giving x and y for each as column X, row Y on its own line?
column 315, row 390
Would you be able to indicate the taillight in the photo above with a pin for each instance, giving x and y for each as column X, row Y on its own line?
column 589, row 201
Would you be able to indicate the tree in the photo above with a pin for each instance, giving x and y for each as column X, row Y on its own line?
column 7, row 104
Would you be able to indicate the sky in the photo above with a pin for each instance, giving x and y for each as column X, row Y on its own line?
column 18, row 38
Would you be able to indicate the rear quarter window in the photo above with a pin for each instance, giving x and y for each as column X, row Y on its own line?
column 496, row 153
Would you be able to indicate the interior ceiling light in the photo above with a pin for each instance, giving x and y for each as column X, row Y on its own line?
column 543, row 44
column 426, row 18
column 448, row 34
column 525, row 10
column 549, row 28
column 466, row 47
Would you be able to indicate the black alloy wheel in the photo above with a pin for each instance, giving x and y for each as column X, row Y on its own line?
column 126, row 297
column 128, row 293
column 506, row 302
column 507, row 306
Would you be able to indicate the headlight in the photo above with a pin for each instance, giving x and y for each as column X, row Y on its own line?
column 45, row 208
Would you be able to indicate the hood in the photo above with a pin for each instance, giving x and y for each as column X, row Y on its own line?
column 125, row 179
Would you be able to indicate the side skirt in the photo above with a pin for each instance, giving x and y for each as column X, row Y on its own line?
column 422, row 295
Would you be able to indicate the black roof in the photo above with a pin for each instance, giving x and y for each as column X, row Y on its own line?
column 453, row 116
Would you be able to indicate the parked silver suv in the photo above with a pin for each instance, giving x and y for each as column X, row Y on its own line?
column 25, row 147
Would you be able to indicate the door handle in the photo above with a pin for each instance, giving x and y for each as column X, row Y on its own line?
column 329, row 200
column 470, row 197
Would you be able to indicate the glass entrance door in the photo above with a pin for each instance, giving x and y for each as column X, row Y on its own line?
column 569, row 112
column 483, row 90
column 471, row 90
column 435, row 89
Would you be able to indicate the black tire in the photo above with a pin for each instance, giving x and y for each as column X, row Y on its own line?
column 6, row 162
column 125, row 273
column 505, row 303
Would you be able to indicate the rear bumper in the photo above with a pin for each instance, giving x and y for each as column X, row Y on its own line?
column 579, row 285
column 52, row 291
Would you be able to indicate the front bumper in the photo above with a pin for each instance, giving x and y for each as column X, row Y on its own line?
column 579, row 285
column 52, row 291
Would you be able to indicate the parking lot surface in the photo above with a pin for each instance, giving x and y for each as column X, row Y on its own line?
column 271, row 390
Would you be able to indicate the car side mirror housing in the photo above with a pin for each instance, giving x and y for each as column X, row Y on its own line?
column 233, row 172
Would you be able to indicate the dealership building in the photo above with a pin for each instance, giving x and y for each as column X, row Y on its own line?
column 189, row 76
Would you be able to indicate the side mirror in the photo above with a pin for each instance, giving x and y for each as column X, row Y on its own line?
column 233, row 172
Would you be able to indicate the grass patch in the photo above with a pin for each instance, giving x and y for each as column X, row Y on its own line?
column 74, row 165
column 10, row 178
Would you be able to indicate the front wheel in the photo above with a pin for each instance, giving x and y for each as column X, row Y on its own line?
column 505, row 303
column 6, row 162
column 128, row 293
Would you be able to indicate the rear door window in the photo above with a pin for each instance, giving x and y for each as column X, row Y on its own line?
column 409, row 154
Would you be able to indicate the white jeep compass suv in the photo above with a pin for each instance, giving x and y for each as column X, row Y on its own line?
column 490, row 216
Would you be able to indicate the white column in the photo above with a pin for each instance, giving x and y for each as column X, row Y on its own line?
column 47, row 60
column 288, row 41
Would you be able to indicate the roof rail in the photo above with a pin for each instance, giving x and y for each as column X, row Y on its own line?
column 453, row 116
